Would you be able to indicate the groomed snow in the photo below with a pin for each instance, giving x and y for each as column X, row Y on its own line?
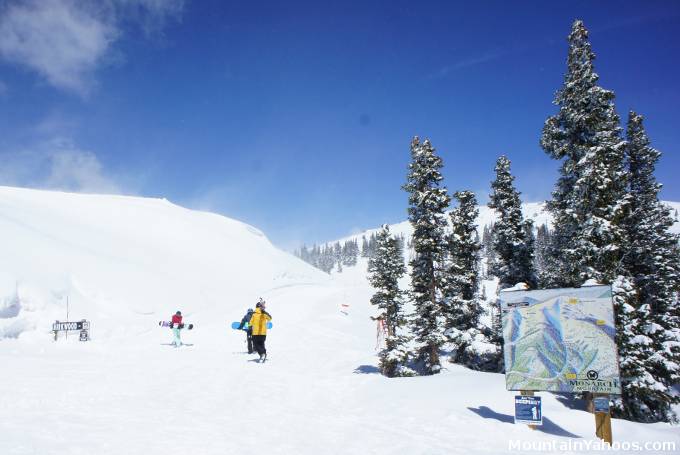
column 127, row 263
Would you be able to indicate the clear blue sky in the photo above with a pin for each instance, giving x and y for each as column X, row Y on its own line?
column 296, row 117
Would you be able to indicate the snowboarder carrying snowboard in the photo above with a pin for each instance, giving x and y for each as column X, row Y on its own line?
column 258, row 324
column 245, row 325
column 176, row 323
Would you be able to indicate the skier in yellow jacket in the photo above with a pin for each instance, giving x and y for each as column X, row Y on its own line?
column 258, row 322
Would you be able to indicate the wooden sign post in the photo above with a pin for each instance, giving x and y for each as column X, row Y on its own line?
column 603, row 418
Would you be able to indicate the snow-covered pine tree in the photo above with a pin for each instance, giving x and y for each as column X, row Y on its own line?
column 542, row 259
column 350, row 252
column 590, row 209
column 337, row 256
column 385, row 268
column 364, row 247
column 588, row 202
column 327, row 260
column 460, row 284
column 488, row 252
column 302, row 253
column 513, row 238
column 640, row 391
column 496, row 358
column 428, row 201
column 653, row 261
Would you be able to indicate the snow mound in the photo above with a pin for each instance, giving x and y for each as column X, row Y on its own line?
column 518, row 287
column 131, row 260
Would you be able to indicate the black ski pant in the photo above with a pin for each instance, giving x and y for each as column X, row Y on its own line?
column 258, row 344
column 249, row 337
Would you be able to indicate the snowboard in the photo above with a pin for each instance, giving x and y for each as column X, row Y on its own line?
column 181, row 326
column 234, row 325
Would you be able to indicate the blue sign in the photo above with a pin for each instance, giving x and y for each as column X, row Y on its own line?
column 528, row 410
column 601, row 404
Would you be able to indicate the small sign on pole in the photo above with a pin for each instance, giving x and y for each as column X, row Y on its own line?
column 528, row 410
column 81, row 326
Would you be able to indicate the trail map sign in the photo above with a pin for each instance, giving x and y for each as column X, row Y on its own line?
column 560, row 340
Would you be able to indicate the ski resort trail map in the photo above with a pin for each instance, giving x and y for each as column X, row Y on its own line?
column 560, row 340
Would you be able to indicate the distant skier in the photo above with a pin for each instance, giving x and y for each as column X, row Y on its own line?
column 258, row 323
column 245, row 325
column 176, row 324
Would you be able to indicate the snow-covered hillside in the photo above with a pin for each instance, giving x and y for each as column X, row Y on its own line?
column 535, row 211
column 125, row 263
column 128, row 260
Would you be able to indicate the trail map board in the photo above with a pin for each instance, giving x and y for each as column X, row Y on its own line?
column 560, row 340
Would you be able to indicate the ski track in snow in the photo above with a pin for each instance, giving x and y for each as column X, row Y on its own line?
column 129, row 392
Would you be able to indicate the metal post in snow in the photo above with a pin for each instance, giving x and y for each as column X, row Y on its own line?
column 67, row 315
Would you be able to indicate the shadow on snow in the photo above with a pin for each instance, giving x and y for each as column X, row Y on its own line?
column 548, row 427
column 367, row 369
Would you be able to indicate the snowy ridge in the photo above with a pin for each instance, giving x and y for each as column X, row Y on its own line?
column 535, row 211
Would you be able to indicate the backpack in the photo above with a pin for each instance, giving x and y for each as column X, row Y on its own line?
column 246, row 320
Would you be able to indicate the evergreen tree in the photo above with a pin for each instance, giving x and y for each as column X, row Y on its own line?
column 385, row 268
column 542, row 260
column 513, row 236
column 302, row 253
column 353, row 253
column 641, row 393
column 587, row 203
column 592, row 219
column 461, row 281
column 652, row 261
column 496, row 359
column 364, row 247
column 428, row 201
column 327, row 259
column 487, row 250
column 337, row 256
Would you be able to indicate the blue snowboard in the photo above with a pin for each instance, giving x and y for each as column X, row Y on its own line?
column 235, row 325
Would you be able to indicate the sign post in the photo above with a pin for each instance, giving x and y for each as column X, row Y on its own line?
column 603, row 418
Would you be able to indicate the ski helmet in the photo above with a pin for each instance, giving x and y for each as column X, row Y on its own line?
column 179, row 313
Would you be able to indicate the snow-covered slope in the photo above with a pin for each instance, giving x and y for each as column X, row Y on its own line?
column 126, row 263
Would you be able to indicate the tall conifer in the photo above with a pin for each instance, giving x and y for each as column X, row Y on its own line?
column 652, row 262
column 588, row 201
column 385, row 268
column 513, row 237
column 428, row 201
column 461, row 282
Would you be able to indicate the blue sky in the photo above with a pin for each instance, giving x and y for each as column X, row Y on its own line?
column 296, row 117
